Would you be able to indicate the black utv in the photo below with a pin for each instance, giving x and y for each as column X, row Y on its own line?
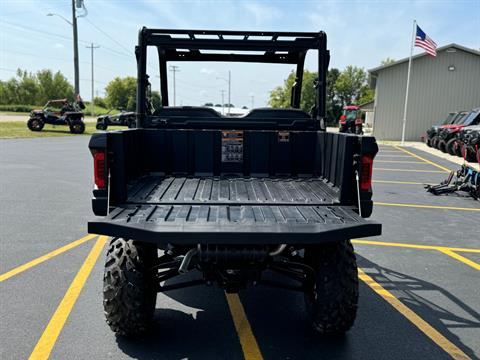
column 123, row 118
column 231, row 199
column 59, row 112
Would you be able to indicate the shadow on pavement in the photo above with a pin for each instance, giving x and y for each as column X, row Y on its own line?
column 200, row 328
column 408, row 289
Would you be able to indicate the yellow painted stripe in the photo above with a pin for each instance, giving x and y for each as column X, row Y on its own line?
column 449, row 347
column 398, row 182
column 393, row 156
column 399, row 161
column 47, row 341
column 426, row 206
column 461, row 258
column 249, row 344
column 414, row 246
column 45, row 257
column 422, row 158
column 406, row 170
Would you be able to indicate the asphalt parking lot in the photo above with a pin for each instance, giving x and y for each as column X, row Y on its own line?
column 419, row 294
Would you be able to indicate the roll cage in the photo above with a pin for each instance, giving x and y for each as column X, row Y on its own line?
column 215, row 45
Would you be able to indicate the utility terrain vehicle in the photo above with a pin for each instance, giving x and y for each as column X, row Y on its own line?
column 59, row 112
column 469, row 143
column 351, row 120
column 123, row 118
column 433, row 130
column 231, row 199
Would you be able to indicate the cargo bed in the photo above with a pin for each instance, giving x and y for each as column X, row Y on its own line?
column 239, row 210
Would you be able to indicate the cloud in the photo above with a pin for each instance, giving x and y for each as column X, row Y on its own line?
column 263, row 13
column 206, row 71
column 58, row 46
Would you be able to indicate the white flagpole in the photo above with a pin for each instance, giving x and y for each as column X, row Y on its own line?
column 408, row 83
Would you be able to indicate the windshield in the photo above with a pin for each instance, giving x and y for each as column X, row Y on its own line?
column 350, row 114
column 470, row 119
column 449, row 118
column 460, row 118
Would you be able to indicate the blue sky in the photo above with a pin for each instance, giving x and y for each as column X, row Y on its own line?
column 360, row 33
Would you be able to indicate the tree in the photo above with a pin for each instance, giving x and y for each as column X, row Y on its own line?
column 121, row 93
column 352, row 86
column 280, row 96
column 208, row 104
column 387, row 61
column 53, row 86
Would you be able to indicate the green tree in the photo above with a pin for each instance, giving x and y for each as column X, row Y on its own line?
column 387, row 61
column 121, row 93
column 281, row 95
column 53, row 86
column 334, row 106
column 351, row 84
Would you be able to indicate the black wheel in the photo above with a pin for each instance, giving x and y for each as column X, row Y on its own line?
column 434, row 142
column 450, row 146
column 442, row 146
column 35, row 124
column 129, row 287
column 77, row 127
column 101, row 126
column 429, row 142
column 332, row 301
column 132, row 124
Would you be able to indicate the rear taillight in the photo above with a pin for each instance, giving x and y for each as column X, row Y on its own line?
column 99, row 169
column 366, row 172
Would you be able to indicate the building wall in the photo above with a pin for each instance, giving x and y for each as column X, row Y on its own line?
column 434, row 92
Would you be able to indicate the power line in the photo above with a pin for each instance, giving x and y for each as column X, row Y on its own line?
column 128, row 51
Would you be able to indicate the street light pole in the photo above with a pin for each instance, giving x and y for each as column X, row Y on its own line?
column 75, row 50
column 174, row 69
column 92, row 47
column 223, row 102
column 229, row 82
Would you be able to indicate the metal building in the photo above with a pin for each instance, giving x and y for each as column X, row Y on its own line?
column 448, row 82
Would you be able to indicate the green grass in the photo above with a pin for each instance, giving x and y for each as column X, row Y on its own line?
column 18, row 129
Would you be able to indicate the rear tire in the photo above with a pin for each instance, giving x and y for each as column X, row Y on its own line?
column 35, row 124
column 450, row 147
column 77, row 127
column 434, row 142
column 129, row 286
column 429, row 142
column 332, row 301
column 442, row 146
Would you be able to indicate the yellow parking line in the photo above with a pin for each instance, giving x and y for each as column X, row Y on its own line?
column 47, row 341
column 461, row 258
column 399, row 161
column 250, row 348
column 426, row 206
column 407, row 170
column 414, row 246
column 423, row 159
column 45, row 257
column 393, row 156
column 449, row 347
column 398, row 182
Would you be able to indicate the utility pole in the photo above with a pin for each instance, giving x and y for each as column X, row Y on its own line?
column 174, row 69
column 223, row 101
column 75, row 50
column 229, row 82
column 92, row 47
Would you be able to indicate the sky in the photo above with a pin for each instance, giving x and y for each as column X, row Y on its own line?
column 360, row 33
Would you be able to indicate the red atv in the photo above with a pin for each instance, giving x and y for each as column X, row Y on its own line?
column 448, row 134
column 351, row 120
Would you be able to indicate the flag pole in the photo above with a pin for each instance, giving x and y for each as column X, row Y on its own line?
column 408, row 83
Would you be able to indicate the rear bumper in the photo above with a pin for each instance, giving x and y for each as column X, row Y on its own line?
column 227, row 225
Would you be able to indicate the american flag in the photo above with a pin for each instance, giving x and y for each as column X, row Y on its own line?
column 422, row 40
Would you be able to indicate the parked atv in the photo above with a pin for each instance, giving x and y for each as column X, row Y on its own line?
column 124, row 118
column 59, row 112
column 433, row 131
column 351, row 120
column 469, row 143
column 448, row 134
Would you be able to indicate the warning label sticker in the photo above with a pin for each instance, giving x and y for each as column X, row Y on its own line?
column 232, row 146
